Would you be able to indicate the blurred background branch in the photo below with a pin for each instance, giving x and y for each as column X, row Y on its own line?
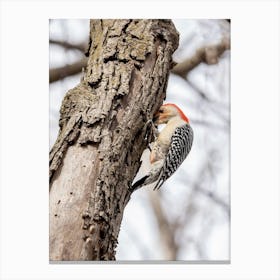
column 207, row 54
column 60, row 73
column 67, row 45
column 166, row 229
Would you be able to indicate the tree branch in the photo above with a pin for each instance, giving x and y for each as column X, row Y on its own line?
column 212, row 104
column 59, row 73
column 197, row 186
column 208, row 55
column 214, row 198
column 67, row 45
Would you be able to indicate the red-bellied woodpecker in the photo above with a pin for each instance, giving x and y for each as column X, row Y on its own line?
column 171, row 147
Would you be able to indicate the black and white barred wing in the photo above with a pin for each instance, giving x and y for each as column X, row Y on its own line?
column 181, row 143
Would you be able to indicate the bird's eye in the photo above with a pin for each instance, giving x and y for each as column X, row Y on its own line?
column 160, row 111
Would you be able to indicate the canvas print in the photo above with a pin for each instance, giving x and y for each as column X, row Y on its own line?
column 139, row 161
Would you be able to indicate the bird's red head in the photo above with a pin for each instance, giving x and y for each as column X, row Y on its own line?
column 168, row 111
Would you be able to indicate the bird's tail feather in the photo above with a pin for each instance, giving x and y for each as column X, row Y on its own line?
column 158, row 184
column 139, row 183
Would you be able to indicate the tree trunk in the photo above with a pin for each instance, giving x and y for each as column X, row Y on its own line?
column 102, row 135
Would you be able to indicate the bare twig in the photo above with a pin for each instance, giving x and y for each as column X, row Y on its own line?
column 208, row 55
column 67, row 45
column 196, row 187
column 212, row 104
column 214, row 198
column 59, row 73
column 204, row 95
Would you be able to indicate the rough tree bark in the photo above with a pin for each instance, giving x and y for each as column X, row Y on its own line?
column 102, row 135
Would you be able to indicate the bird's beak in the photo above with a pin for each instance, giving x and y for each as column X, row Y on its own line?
column 156, row 118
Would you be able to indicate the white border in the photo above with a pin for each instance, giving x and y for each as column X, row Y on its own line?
column 255, row 138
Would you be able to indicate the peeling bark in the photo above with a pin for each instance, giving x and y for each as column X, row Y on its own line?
column 102, row 135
